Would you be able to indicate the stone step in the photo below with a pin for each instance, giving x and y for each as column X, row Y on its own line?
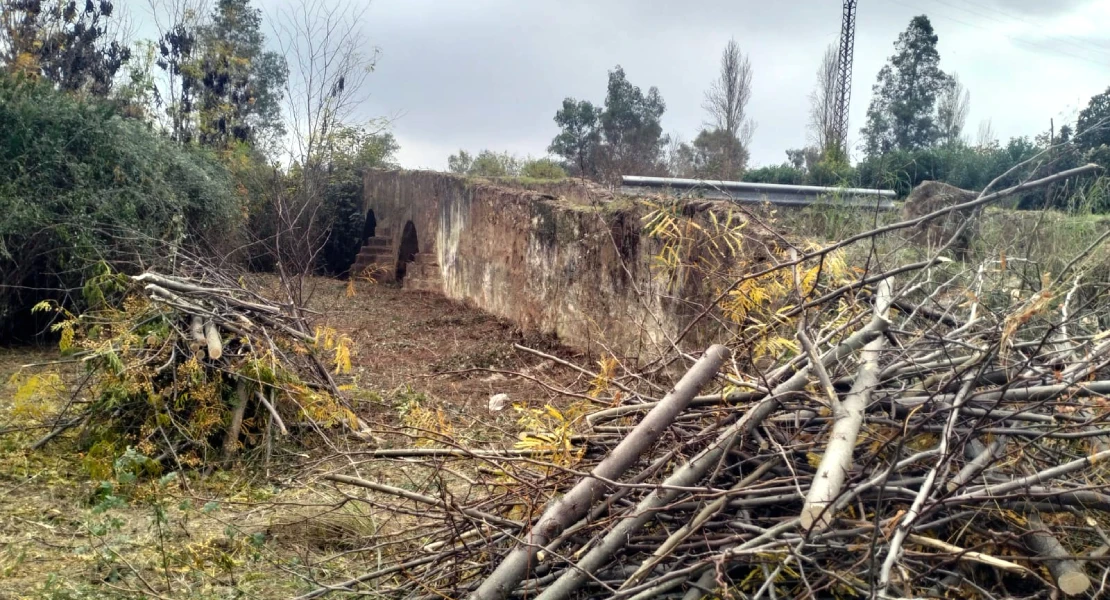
column 420, row 284
column 363, row 260
column 360, row 264
column 368, row 251
column 378, row 242
column 376, row 257
column 383, row 232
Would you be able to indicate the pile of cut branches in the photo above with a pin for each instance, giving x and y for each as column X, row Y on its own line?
column 944, row 435
column 195, row 366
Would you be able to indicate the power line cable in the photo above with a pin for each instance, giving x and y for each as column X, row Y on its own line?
column 1078, row 46
column 1034, row 45
column 1094, row 42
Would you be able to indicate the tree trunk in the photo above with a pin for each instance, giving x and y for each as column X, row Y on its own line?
column 1068, row 573
column 577, row 502
column 833, row 470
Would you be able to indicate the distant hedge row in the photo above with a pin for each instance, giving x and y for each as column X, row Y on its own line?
column 963, row 166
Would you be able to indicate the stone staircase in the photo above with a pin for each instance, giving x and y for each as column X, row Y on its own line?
column 378, row 257
column 423, row 274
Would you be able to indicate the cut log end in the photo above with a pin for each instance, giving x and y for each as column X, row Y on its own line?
column 212, row 338
column 1068, row 573
column 1073, row 583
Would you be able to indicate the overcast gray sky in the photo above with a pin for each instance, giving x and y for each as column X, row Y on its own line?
column 479, row 74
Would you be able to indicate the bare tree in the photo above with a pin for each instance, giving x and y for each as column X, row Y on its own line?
column 822, row 104
column 328, row 66
column 952, row 109
column 679, row 156
column 986, row 137
column 727, row 98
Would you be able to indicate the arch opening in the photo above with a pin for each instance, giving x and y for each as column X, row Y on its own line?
column 410, row 246
column 369, row 226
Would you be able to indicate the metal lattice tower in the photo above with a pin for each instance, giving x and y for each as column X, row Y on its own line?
column 844, row 74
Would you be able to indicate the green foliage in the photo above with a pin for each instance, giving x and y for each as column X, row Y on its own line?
column 719, row 155
column 1093, row 124
column 579, row 137
column 460, row 163
column 494, row 164
column 962, row 166
column 135, row 91
column 351, row 151
column 332, row 186
column 714, row 154
column 631, row 127
column 343, row 210
column 62, row 41
column 971, row 168
column 359, row 148
column 79, row 185
column 831, row 170
column 784, row 174
column 239, row 84
column 625, row 137
column 902, row 115
column 503, row 164
column 486, row 164
column 542, row 168
column 220, row 86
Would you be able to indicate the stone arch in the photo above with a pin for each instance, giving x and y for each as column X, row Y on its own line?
column 409, row 247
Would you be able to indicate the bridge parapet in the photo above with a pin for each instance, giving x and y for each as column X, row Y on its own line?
column 567, row 259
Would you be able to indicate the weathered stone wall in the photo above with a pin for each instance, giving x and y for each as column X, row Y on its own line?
column 574, row 265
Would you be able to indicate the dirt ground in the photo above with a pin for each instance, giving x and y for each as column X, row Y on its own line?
column 251, row 532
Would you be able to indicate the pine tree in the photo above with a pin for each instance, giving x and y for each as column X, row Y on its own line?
column 902, row 114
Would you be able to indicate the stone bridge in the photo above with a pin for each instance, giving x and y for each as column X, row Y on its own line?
column 566, row 258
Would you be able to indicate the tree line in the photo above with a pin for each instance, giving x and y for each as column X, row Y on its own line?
column 915, row 130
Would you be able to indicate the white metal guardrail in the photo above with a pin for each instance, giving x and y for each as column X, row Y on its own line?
column 746, row 191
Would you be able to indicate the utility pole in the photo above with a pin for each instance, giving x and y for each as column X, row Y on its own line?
column 844, row 74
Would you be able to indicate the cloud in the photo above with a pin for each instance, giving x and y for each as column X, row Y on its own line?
column 1037, row 8
column 492, row 73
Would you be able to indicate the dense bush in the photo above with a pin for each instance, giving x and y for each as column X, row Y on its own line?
column 542, row 168
column 80, row 185
column 351, row 152
column 344, row 213
column 962, row 166
column 783, row 174
column 967, row 167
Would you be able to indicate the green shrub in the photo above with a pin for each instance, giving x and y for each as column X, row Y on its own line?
column 354, row 150
column 962, row 166
column 783, row 174
column 80, row 185
column 542, row 168
column 343, row 211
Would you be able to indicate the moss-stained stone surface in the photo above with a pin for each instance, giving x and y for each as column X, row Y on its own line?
column 565, row 258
